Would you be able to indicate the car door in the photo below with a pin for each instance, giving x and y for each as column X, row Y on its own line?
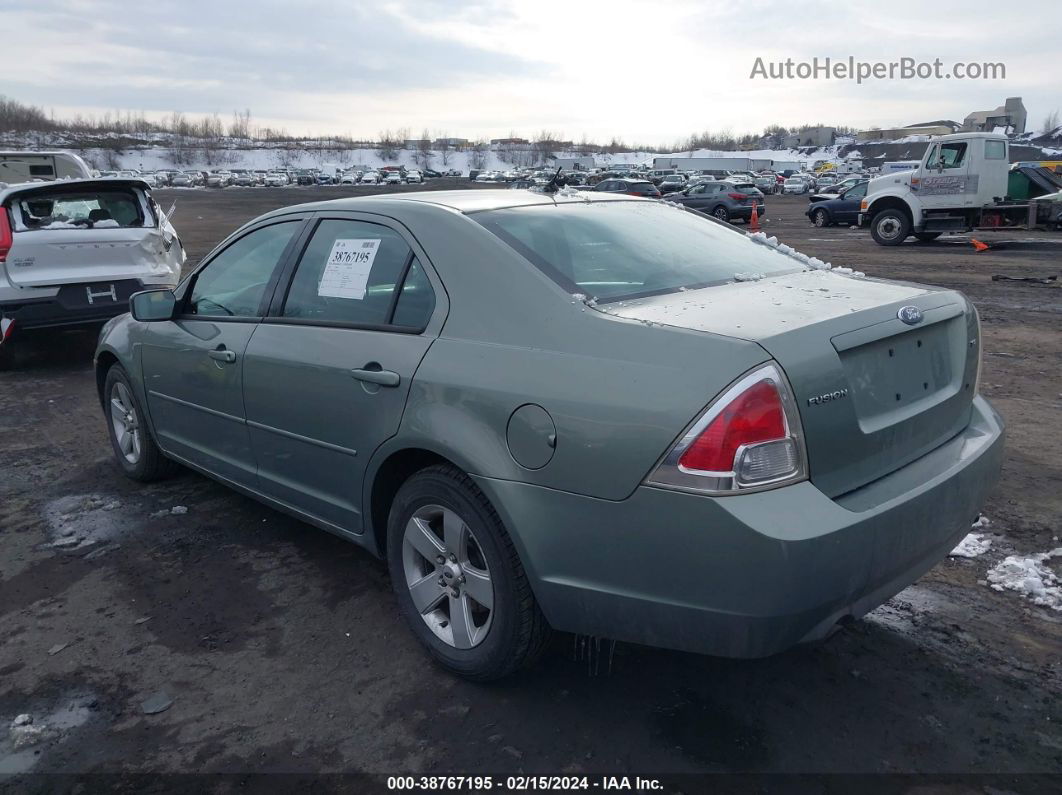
column 945, row 177
column 193, row 365
column 697, row 196
column 847, row 204
column 327, row 373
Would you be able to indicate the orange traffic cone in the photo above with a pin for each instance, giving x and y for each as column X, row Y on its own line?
column 754, row 221
column 978, row 245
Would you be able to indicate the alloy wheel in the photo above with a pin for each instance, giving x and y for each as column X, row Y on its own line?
column 125, row 422
column 448, row 577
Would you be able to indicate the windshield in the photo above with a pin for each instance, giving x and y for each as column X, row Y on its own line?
column 611, row 251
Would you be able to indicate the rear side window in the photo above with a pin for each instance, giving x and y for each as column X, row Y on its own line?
column 416, row 301
column 995, row 150
column 41, row 171
column 233, row 284
column 350, row 273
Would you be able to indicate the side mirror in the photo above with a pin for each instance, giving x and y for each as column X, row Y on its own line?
column 152, row 305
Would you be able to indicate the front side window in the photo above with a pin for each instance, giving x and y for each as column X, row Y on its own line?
column 951, row 155
column 233, row 284
column 619, row 250
column 349, row 274
column 856, row 192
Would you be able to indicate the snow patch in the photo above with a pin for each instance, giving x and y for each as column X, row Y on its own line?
column 974, row 545
column 79, row 520
column 18, row 753
column 1028, row 576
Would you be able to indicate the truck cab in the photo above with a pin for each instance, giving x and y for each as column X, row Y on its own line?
column 957, row 178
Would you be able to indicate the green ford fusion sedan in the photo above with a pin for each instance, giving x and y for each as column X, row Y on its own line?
column 592, row 413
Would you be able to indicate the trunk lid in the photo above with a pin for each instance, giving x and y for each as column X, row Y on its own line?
column 54, row 244
column 874, row 393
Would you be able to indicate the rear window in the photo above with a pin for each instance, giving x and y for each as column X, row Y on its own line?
column 81, row 209
column 620, row 250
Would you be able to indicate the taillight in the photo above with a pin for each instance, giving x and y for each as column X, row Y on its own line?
column 749, row 438
column 5, row 234
column 738, row 196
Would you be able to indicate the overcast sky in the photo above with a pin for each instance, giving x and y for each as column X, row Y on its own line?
column 646, row 71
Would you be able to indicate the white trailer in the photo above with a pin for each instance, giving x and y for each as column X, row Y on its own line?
column 17, row 167
column 707, row 164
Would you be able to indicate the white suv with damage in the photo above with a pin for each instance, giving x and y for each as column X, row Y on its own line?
column 73, row 251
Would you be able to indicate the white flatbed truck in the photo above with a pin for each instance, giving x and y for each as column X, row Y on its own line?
column 959, row 185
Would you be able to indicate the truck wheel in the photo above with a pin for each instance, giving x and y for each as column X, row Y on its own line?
column 890, row 227
column 820, row 218
column 927, row 237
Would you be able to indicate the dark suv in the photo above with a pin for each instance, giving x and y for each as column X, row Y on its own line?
column 632, row 187
column 724, row 200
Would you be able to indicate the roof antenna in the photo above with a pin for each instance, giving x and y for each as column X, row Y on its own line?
column 556, row 183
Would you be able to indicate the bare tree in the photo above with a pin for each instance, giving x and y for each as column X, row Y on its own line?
column 480, row 149
column 1051, row 122
column 444, row 147
column 388, row 145
column 423, row 155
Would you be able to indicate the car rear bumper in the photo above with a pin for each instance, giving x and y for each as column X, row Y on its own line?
column 744, row 213
column 72, row 305
column 749, row 575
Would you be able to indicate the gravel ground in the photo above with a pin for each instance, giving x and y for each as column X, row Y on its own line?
column 258, row 644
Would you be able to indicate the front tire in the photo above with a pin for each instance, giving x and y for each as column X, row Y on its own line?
column 820, row 218
column 134, row 447
column 458, row 579
column 890, row 227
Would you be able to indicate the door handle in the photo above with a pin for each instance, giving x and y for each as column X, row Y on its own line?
column 222, row 355
column 374, row 375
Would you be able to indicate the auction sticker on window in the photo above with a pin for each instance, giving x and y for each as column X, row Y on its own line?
column 347, row 270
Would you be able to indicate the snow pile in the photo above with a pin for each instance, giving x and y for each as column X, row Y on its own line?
column 975, row 544
column 1030, row 577
column 814, row 263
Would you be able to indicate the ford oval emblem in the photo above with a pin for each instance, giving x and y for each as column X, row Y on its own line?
column 911, row 315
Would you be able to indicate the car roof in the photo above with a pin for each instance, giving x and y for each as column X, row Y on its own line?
column 462, row 201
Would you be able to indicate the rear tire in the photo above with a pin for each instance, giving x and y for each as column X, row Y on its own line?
column 134, row 447
column 927, row 237
column 444, row 506
column 820, row 218
column 890, row 227
column 721, row 213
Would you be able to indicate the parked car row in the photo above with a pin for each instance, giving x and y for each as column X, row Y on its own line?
column 247, row 178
